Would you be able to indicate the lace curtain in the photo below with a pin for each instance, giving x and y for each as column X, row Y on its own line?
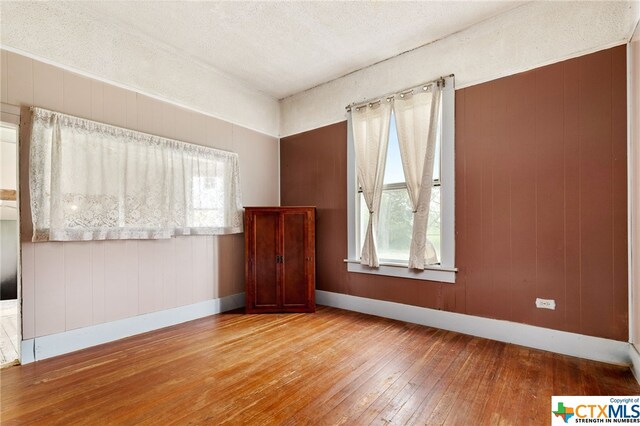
column 92, row 181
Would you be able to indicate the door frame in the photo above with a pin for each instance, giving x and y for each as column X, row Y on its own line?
column 11, row 114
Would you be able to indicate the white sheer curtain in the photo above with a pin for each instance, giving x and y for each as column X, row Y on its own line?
column 417, row 116
column 92, row 181
column 371, row 137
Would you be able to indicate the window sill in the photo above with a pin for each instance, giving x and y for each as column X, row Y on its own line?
column 430, row 273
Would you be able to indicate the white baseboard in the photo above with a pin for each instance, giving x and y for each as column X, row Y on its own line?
column 27, row 354
column 635, row 361
column 69, row 341
column 588, row 347
column 562, row 342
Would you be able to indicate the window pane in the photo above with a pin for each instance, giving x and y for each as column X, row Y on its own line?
column 363, row 221
column 396, row 219
column 394, row 227
column 393, row 170
column 436, row 162
column 433, row 229
column 207, row 193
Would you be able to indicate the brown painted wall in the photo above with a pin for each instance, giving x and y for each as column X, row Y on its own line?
column 541, row 208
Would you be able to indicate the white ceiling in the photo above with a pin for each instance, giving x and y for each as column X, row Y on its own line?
column 282, row 48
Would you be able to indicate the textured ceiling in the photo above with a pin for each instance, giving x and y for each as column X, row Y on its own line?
column 282, row 48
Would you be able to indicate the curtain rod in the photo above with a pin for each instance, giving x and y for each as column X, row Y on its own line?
column 391, row 95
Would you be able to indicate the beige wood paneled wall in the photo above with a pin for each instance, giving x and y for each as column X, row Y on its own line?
column 71, row 285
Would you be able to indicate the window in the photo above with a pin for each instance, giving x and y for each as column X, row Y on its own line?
column 393, row 236
column 205, row 191
column 396, row 216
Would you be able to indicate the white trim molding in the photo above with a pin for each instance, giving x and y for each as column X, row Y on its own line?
column 633, row 185
column 562, row 342
column 634, row 355
column 431, row 273
column 40, row 348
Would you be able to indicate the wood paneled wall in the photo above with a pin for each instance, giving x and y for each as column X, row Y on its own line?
column 634, row 105
column 541, row 201
column 72, row 285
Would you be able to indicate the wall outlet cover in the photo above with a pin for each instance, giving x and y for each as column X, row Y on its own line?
column 546, row 304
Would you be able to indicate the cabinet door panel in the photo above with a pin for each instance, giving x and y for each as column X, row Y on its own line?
column 295, row 285
column 265, row 270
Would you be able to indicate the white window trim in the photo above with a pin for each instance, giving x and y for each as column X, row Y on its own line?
column 446, row 271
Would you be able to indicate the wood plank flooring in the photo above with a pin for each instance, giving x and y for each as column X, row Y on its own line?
column 332, row 367
column 8, row 332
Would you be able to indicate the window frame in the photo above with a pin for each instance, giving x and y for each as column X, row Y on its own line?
column 446, row 270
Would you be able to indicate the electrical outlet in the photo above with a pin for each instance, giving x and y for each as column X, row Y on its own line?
column 546, row 304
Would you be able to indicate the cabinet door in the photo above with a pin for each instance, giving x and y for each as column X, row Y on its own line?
column 295, row 266
column 264, row 266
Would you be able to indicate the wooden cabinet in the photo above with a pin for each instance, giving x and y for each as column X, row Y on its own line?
column 280, row 259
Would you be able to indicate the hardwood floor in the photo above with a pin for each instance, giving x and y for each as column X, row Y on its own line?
column 331, row 367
